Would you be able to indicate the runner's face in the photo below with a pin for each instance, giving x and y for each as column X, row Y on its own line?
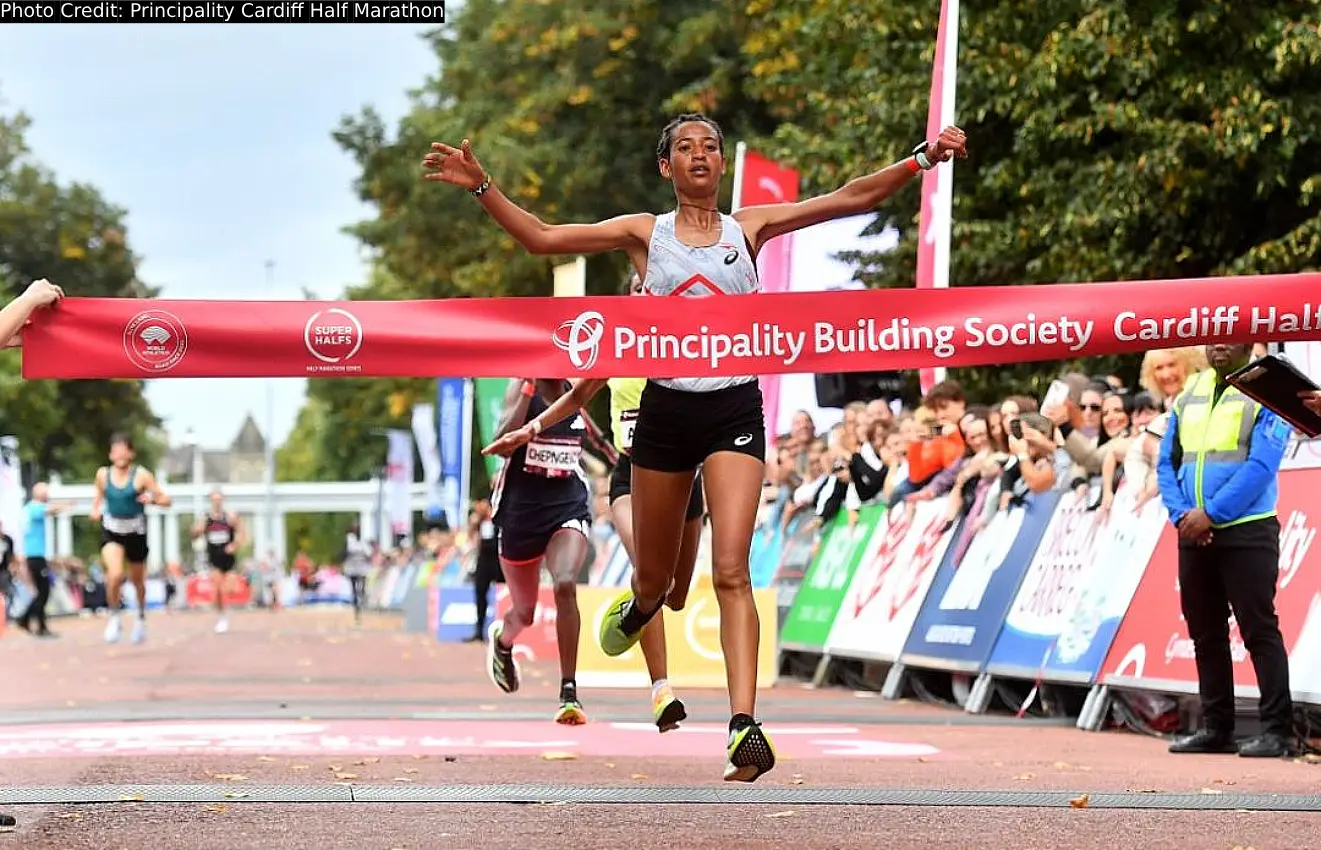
column 696, row 163
column 120, row 454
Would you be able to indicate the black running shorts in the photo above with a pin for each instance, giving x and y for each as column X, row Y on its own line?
column 134, row 545
column 677, row 430
column 223, row 564
column 525, row 545
column 621, row 485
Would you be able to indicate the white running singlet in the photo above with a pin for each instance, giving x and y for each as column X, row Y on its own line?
column 724, row 268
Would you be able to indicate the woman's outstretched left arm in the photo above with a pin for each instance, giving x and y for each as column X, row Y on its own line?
column 763, row 223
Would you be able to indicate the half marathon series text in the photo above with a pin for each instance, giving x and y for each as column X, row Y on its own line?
column 302, row 11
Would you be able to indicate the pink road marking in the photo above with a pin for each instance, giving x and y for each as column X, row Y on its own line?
column 423, row 737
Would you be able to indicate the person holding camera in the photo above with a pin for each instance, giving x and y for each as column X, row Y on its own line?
column 1218, row 471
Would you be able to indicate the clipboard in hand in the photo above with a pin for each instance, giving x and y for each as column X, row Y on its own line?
column 1275, row 383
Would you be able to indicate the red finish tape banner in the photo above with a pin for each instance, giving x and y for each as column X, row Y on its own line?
column 662, row 337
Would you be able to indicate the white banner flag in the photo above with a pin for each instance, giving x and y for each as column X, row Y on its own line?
column 399, row 481
column 11, row 493
column 428, row 448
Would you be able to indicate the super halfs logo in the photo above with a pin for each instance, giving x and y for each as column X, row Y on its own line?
column 155, row 341
column 333, row 337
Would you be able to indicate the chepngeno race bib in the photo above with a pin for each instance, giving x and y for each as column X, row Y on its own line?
column 553, row 459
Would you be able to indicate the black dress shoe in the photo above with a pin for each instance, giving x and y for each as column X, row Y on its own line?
column 1265, row 746
column 1205, row 741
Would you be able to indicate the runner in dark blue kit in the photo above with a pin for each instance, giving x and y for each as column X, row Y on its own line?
column 543, row 513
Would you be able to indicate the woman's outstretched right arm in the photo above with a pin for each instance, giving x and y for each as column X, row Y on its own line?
column 459, row 166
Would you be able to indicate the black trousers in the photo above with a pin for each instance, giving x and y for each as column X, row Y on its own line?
column 488, row 572
column 36, row 610
column 1237, row 571
column 358, row 584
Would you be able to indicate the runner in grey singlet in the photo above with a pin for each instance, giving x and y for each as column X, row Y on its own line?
column 724, row 268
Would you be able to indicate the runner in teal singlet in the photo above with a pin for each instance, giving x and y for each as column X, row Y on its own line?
column 123, row 491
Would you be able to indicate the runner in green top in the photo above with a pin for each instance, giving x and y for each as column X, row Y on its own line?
column 625, row 394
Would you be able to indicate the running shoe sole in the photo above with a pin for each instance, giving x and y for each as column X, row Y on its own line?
column 614, row 642
column 671, row 716
column 571, row 715
column 492, row 639
column 751, row 755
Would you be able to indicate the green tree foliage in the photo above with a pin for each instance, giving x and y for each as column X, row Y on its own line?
column 73, row 236
column 1109, row 141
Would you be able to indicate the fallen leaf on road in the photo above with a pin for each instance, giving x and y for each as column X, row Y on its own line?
column 70, row 816
column 796, row 779
column 410, row 770
column 346, row 776
column 1063, row 765
column 553, row 756
column 230, row 777
column 335, row 767
column 1223, row 782
column 218, row 809
column 923, row 759
column 1023, row 777
column 1081, row 801
column 265, row 758
column 235, row 795
column 780, row 815
column 298, row 767
column 371, row 760
column 638, row 776
column 609, row 764
column 1212, row 791
column 449, row 759
column 403, row 779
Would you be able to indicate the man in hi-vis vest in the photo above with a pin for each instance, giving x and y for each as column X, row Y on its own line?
column 1218, row 472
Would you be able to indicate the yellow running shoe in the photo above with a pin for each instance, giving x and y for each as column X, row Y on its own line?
column 614, row 640
column 750, row 753
column 668, row 709
column 571, row 711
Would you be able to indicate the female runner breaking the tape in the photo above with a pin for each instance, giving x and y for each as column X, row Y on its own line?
column 715, row 423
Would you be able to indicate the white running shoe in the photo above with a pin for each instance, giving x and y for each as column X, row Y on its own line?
column 112, row 629
column 222, row 625
column 139, row 631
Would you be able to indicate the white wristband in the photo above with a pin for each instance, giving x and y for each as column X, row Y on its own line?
column 922, row 161
column 535, row 425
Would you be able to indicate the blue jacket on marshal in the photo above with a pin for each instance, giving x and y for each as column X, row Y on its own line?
column 1221, row 455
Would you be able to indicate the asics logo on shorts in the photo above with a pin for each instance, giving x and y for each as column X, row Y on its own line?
column 581, row 337
column 742, row 439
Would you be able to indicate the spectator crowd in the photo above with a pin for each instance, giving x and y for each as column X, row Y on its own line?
column 1090, row 433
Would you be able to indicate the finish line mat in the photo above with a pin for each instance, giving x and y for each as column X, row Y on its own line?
column 428, row 737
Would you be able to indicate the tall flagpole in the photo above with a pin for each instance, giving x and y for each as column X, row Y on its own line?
column 936, row 220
